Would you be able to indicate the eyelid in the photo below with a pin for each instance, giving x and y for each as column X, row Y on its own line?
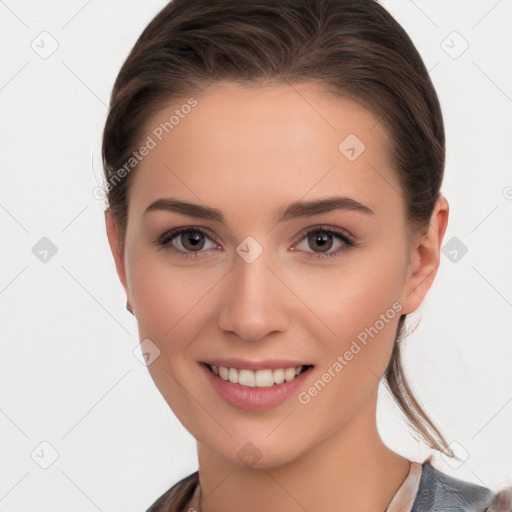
column 325, row 228
column 164, row 240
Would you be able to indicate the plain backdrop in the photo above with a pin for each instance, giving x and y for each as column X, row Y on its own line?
column 82, row 425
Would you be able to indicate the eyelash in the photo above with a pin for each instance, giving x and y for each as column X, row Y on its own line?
column 165, row 240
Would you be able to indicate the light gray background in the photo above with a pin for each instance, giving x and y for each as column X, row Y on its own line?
column 68, row 374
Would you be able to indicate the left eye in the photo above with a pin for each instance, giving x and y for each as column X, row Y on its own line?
column 322, row 240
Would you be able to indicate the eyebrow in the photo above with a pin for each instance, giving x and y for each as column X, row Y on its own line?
column 293, row 211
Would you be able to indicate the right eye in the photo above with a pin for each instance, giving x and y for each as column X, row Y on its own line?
column 187, row 241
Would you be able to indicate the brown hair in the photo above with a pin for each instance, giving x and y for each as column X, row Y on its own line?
column 353, row 48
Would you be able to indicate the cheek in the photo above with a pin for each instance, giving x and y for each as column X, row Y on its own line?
column 360, row 307
column 358, row 304
column 173, row 306
column 166, row 296
column 347, row 298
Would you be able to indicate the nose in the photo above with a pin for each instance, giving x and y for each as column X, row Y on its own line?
column 254, row 302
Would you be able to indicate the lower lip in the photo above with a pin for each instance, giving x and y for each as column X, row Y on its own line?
column 255, row 399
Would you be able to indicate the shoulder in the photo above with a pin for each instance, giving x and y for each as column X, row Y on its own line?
column 441, row 492
column 177, row 497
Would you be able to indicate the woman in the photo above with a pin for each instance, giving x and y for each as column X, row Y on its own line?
column 273, row 173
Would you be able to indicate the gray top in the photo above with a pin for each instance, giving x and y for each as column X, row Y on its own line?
column 439, row 492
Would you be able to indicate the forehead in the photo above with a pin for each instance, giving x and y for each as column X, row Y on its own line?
column 273, row 142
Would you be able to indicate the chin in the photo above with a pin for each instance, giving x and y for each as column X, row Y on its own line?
column 262, row 453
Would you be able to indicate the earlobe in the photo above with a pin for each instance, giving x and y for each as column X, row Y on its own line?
column 114, row 241
column 425, row 258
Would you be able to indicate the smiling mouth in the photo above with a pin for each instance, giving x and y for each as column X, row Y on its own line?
column 264, row 378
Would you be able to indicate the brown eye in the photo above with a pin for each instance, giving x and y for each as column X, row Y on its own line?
column 324, row 242
column 319, row 240
column 192, row 240
column 187, row 241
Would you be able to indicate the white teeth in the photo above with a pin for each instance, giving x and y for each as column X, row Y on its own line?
column 264, row 378
column 259, row 378
column 278, row 376
column 233, row 376
column 289, row 374
column 246, row 377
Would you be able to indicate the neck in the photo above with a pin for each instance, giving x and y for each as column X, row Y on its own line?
column 351, row 469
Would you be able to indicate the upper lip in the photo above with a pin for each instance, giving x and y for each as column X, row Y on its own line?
column 271, row 364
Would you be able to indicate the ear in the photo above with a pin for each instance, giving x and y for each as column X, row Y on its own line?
column 114, row 240
column 424, row 258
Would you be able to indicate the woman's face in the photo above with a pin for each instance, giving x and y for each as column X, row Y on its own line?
column 254, row 282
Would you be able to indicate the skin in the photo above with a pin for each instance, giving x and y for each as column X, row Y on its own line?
column 250, row 152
